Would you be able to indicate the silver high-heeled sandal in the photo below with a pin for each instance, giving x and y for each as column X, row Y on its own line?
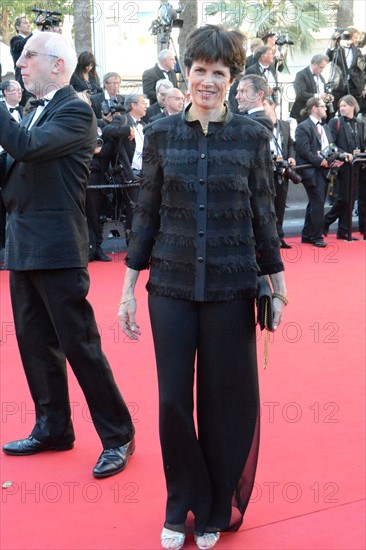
column 172, row 540
column 207, row 540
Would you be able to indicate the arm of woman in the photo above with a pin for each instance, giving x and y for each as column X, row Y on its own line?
column 127, row 306
column 279, row 297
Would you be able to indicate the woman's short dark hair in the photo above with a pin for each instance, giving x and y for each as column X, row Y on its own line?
column 212, row 43
column 86, row 58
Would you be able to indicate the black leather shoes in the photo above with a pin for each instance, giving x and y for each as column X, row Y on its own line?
column 284, row 244
column 319, row 243
column 113, row 461
column 31, row 446
column 304, row 240
column 101, row 257
column 345, row 238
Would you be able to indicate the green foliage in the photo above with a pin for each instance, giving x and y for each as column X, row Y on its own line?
column 295, row 18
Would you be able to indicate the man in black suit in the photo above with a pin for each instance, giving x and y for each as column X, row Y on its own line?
column 12, row 94
column 311, row 138
column 161, row 88
column 47, row 254
column 110, row 95
column 348, row 136
column 308, row 83
column 347, row 64
column 264, row 67
column 127, row 133
column 252, row 90
column 174, row 103
column 282, row 147
column 162, row 69
column 23, row 29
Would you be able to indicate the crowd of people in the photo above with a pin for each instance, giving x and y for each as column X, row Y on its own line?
column 202, row 183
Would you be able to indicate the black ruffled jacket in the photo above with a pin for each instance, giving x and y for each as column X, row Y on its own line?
column 205, row 221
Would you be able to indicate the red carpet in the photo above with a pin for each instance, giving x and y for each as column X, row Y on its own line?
column 309, row 491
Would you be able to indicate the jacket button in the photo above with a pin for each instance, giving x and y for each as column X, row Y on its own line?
column 200, row 259
column 203, row 156
column 201, row 233
column 201, row 206
column 202, row 182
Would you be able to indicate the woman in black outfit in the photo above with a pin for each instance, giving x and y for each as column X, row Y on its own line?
column 85, row 77
column 205, row 227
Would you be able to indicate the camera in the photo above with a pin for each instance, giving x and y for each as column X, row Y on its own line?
column 332, row 153
column 47, row 20
column 109, row 107
column 283, row 169
column 330, row 99
column 282, row 39
column 168, row 18
column 341, row 34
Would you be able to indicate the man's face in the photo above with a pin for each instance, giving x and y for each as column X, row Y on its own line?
column 175, row 101
column 267, row 58
column 318, row 69
column 271, row 41
column 14, row 94
column 247, row 97
column 37, row 66
column 25, row 26
column 168, row 62
column 160, row 96
column 346, row 110
column 139, row 109
column 112, row 85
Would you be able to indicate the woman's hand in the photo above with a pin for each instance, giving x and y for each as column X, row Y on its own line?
column 126, row 315
column 278, row 307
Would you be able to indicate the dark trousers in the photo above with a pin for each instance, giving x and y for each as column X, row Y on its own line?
column 280, row 203
column 55, row 322
column 314, row 214
column 94, row 208
column 209, row 471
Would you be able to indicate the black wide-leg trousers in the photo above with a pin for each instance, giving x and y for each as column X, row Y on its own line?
column 55, row 322
column 210, row 462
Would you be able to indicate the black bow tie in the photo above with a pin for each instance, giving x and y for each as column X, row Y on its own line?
column 138, row 122
column 39, row 102
column 12, row 109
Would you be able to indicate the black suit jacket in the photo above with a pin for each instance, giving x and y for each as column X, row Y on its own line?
column 305, row 88
column 256, row 69
column 352, row 77
column 150, row 78
column 152, row 111
column 262, row 118
column 307, row 146
column 44, row 190
column 287, row 144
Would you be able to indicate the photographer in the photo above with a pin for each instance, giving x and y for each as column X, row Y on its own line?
column 265, row 68
column 311, row 137
column 126, row 133
column 308, row 83
column 23, row 29
column 283, row 151
column 102, row 101
column 348, row 136
column 347, row 74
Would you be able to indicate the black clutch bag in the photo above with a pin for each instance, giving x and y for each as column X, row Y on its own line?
column 264, row 304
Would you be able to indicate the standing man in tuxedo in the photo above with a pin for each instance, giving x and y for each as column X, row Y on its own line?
column 12, row 93
column 311, row 138
column 161, row 88
column 162, row 69
column 47, row 254
column 282, row 147
column 252, row 90
column 264, row 67
column 23, row 29
column 308, row 83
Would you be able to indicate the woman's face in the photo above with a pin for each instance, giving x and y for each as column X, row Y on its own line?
column 208, row 84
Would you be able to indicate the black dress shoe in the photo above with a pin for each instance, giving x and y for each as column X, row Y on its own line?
column 284, row 244
column 319, row 243
column 113, row 461
column 304, row 240
column 31, row 446
column 345, row 238
column 101, row 257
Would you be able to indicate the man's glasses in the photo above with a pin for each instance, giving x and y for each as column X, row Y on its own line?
column 28, row 54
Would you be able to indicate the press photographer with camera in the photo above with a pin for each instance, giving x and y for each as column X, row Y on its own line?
column 109, row 101
column 283, row 152
column 265, row 68
column 348, row 136
column 311, row 138
column 347, row 75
